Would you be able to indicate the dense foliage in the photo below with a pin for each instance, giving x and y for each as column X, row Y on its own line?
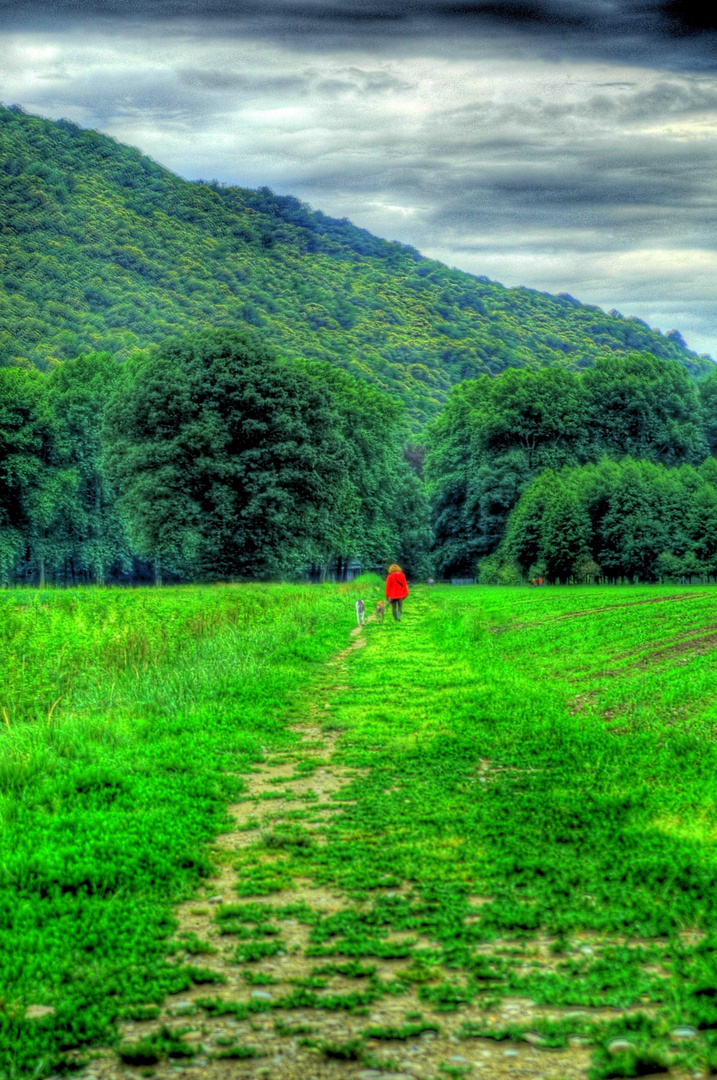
column 210, row 458
column 227, row 460
column 264, row 467
column 173, row 463
column 207, row 458
column 617, row 520
column 104, row 250
column 496, row 435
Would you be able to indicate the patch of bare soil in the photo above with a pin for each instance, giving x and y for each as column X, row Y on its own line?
column 699, row 645
column 303, row 1041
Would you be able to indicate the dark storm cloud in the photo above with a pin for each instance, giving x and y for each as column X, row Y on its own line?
column 675, row 33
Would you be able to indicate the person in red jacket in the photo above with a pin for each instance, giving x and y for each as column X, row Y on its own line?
column 396, row 590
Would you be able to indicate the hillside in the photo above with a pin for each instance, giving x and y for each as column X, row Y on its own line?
column 102, row 248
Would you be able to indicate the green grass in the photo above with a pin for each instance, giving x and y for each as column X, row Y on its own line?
column 126, row 716
column 530, row 763
column 535, row 762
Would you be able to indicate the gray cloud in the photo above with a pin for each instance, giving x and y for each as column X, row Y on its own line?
column 206, row 79
column 673, row 33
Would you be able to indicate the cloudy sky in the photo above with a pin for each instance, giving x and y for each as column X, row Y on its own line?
column 567, row 145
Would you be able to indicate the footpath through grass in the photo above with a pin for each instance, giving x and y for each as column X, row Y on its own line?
column 125, row 719
column 535, row 816
column 541, row 763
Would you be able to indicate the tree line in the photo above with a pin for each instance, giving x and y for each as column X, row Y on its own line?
column 613, row 521
column 499, row 441
column 208, row 458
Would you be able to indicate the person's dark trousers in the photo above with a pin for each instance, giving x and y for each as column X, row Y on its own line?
column 396, row 608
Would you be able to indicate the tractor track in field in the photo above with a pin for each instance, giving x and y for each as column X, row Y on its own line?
column 297, row 1041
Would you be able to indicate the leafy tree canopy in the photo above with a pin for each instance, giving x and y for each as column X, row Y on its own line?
column 227, row 459
column 495, row 435
column 630, row 520
column 230, row 462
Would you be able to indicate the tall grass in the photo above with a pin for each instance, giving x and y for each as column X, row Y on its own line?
column 125, row 719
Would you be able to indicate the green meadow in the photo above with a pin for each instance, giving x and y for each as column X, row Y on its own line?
column 128, row 719
column 532, row 814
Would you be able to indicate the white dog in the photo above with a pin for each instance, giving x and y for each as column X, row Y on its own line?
column 360, row 612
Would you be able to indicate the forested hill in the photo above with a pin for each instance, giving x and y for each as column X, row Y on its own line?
column 103, row 249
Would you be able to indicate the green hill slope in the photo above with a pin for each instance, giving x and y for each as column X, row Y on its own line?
column 102, row 248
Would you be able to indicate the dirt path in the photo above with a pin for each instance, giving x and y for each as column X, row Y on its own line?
column 278, row 1013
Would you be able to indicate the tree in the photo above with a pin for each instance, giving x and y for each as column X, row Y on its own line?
column 77, row 393
column 564, row 534
column 640, row 406
column 449, row 467
column 701, row 527
column 541, row 413
column 381, row 515
column 492, row 437
column 28, row 491
column 496, row 435
column 228, row 460
column 628, row 519
column 633, row 533
column 523, row 541
column 708, row 399
column 550, row 527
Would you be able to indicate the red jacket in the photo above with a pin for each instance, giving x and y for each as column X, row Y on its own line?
column 396, row 586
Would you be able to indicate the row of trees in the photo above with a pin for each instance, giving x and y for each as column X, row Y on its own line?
column 496, row 435
column 614, row 520
column 208, row 458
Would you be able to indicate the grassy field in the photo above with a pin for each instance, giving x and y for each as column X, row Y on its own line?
column 127, row 716
column 527, row 813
